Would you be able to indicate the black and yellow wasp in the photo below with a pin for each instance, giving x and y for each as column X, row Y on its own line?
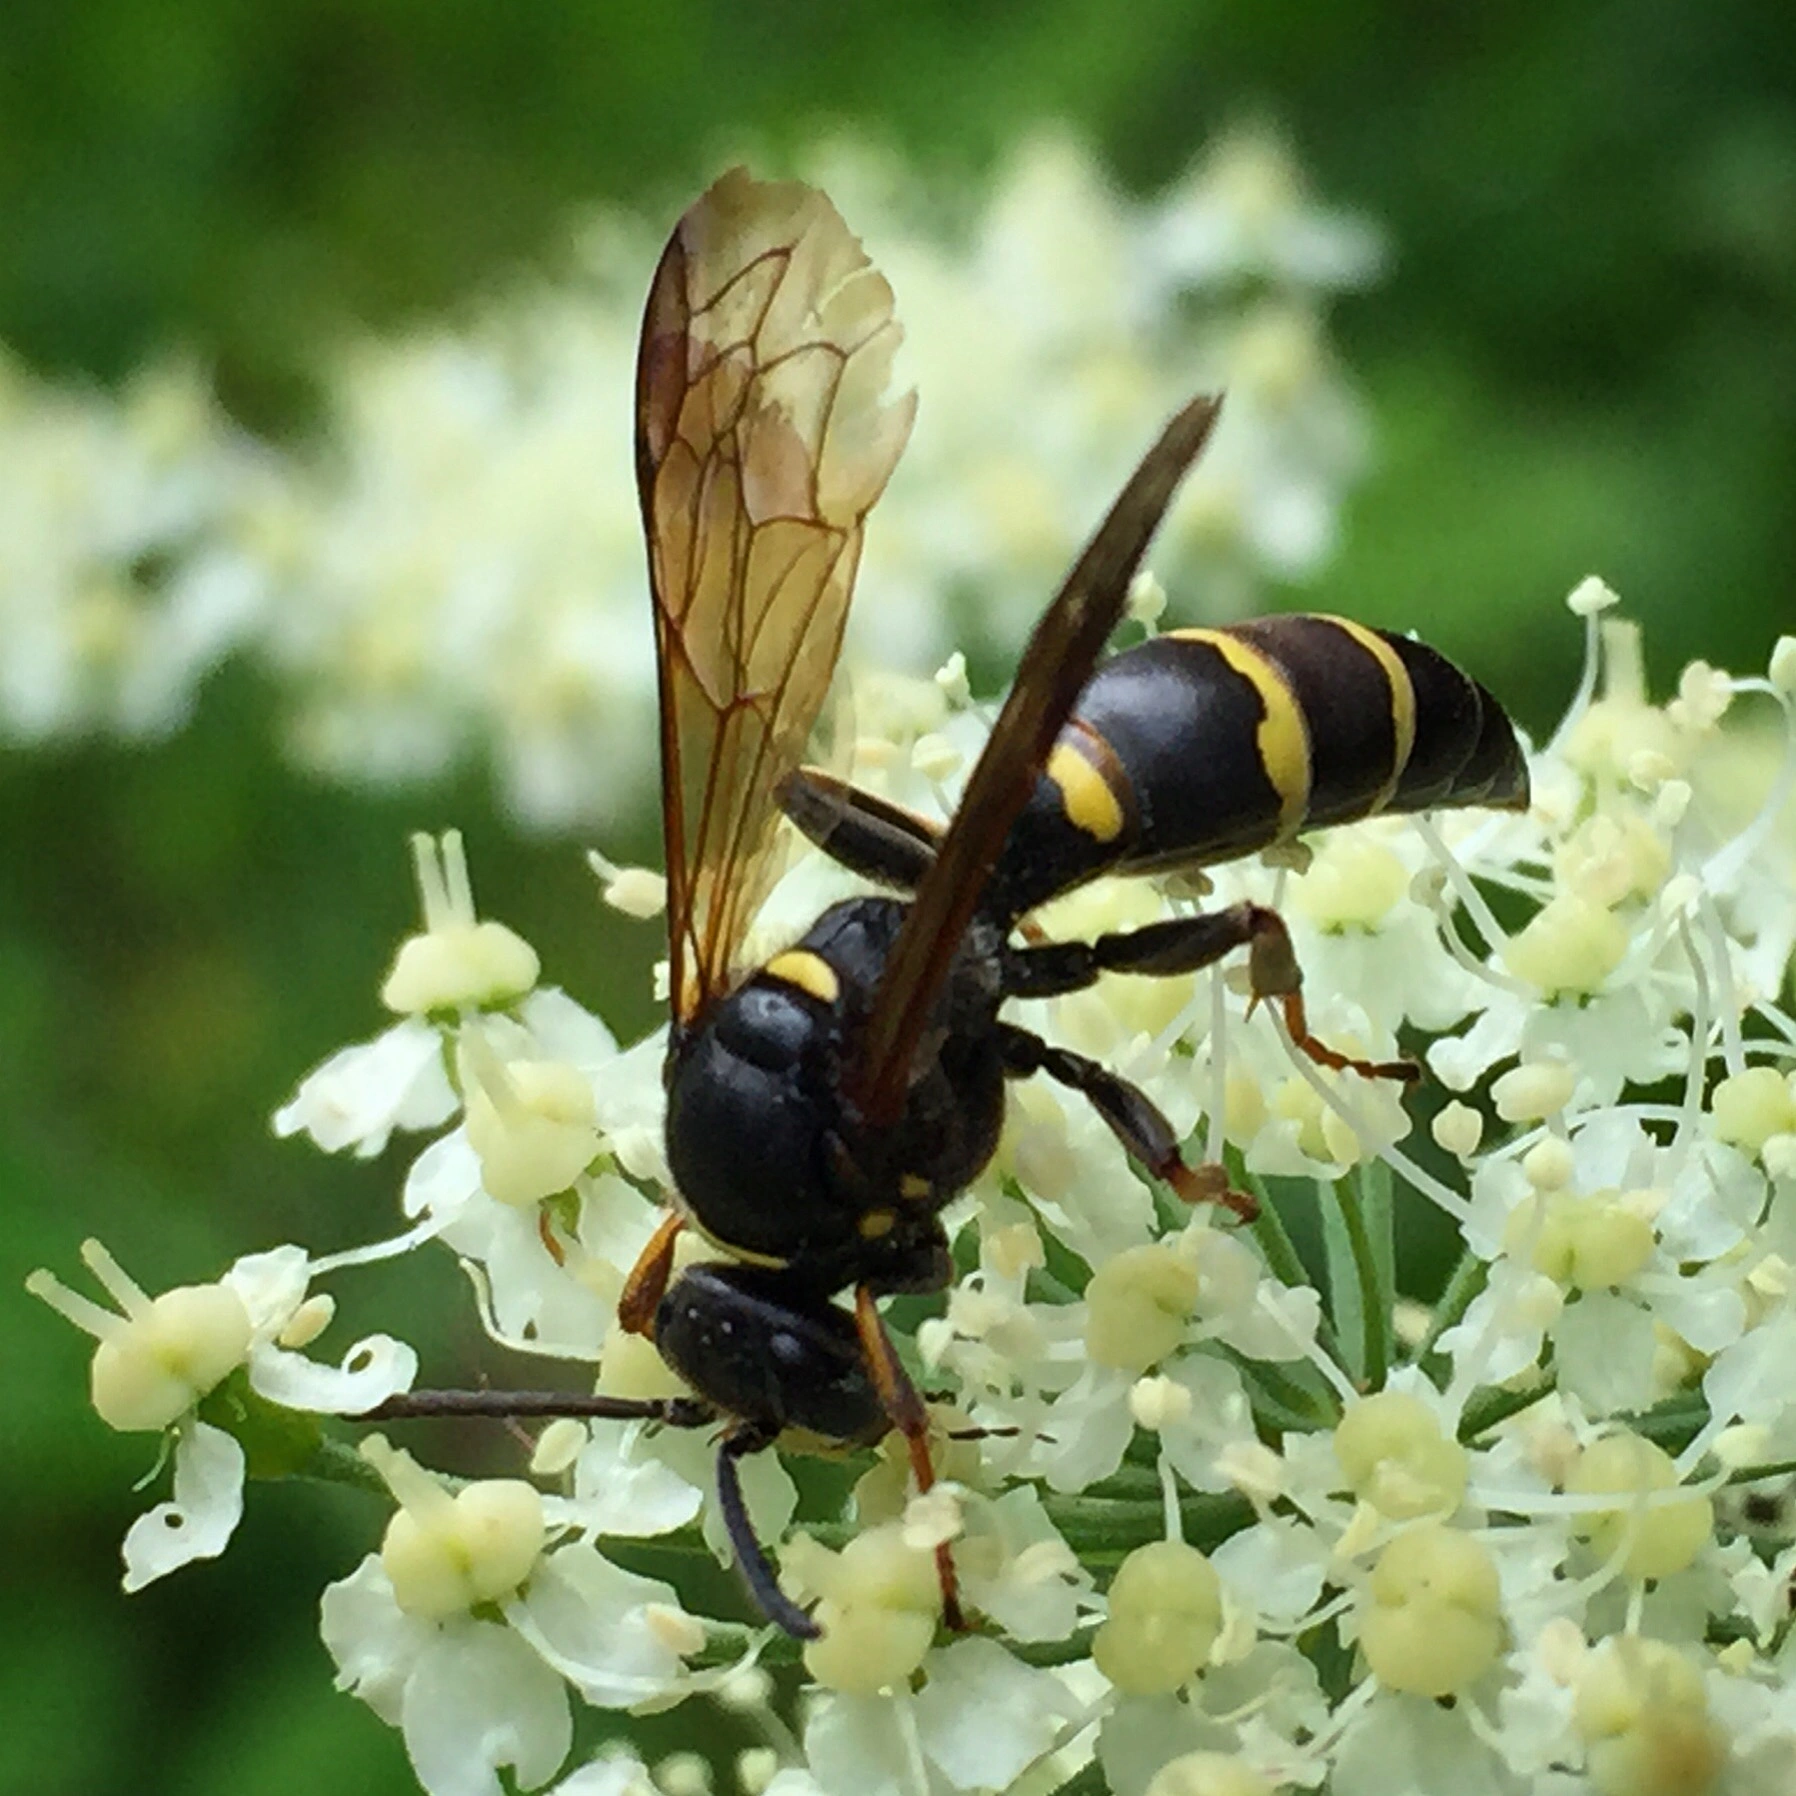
column 823, row 1109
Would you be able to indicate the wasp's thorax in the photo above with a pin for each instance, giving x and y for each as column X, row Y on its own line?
column 771, row 1157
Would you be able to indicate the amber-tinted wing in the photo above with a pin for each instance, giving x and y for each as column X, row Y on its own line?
column 1055, row 666
column 763, row 437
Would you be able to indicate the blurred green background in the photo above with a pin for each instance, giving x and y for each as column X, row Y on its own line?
column 1583, row 359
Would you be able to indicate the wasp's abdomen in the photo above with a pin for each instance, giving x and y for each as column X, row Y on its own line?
column 1207, row 744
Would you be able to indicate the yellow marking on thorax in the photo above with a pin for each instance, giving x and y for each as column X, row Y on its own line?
column 1085, row 795
column 811, row 973
column 1283, row 738
column 746, row 1255
column 914, row 1187
column 877, row 1223
column 1402, row 702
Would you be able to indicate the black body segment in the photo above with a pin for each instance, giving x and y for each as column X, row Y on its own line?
column 769, row 1160
column 1214, row 743
column 736, row 1336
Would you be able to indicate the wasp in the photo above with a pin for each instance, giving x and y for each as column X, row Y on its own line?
column 825, row 1107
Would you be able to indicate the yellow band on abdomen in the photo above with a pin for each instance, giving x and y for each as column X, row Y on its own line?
column 1085, row 795
column 1283, row 738
column 1402, row 700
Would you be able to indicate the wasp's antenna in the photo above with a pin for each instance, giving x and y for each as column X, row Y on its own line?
column 763, row 1585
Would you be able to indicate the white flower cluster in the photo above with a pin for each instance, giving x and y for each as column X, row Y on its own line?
column 463, row 568
column 131, row 560
column 1218, row 1537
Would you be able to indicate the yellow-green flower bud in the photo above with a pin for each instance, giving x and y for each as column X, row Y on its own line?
column 162, row 1361
column 1139, row 1305
column 1752, row 1106
column 445, row 1553
column 1353, row 883
column 157, row 1356
column 881, row 1602
column 1165, row 1615
column 1644, row 1713
column 1395, row 1457
column 1533, row 1090
column 1569, row 947
column 1458, row 1128
column 1209, row 1774
column 1654, row 1540
column 1433, row 1621
column 1581, row 1243
column 457, row 961
column 530, row 1122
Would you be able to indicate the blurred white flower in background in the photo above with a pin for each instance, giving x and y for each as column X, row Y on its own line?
column 129, row 563
column 460, row 568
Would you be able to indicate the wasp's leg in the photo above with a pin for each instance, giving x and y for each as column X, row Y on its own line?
column 880, row 841
column 757, row 1573
column 1183, row 945
column 910, row 1416
column 647, row 1283
column 1132, row 1116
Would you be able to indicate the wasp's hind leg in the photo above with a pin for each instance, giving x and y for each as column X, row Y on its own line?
column 1183, row 945
column 880, row 841
column 1133, row 1118
column 910, row 1416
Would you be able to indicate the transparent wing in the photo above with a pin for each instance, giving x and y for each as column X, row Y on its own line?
column 764, row 434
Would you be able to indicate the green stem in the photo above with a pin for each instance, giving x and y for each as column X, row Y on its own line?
column 1491, row 1404
column 337, row 1462
column 1282, row 1258
column 1751, row 1474
column 1100, row 1530
column 1365, row 1226
column 1467, row 1280
column 1053, row 1652
column 1283, row 1399
column 1279, row 1251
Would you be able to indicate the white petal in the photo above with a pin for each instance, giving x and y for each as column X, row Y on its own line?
column 1036, row 1589
column 562, row 1029
column 868, row 1746
column 371, row 1371
column 1142, row 1733
column 984, row 1716
column 272, row 1286
column 199, row 1521
column 1405, row 1746
column 534, row 1297
column 1276, row 1567
column 1086, row 1430
column 443, row 1179
column 374, row 1642
column 478, row 1699
column 624, row 1492
column 1603, row 1346
column 361, row 1094
column 603, row 1628
column 618, row 1774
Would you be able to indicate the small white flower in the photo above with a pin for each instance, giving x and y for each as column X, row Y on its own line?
column 361, row 1094
column 160, row 1358
column 468, row 1696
